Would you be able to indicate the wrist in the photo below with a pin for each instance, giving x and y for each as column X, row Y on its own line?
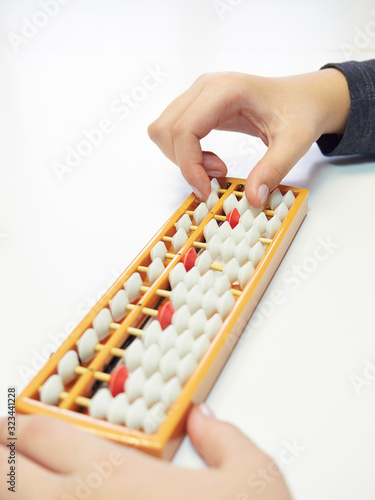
column 333, row 99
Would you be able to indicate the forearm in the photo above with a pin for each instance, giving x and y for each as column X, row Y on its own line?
column 358, row 137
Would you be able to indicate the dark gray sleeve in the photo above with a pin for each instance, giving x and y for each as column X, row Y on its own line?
column 359, row 136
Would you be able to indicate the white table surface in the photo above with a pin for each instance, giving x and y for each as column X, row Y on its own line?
column 63, row 243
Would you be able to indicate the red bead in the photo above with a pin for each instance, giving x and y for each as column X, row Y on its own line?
column 117, row 381
column 233, row 218
column 165, row 314
column 189, row 258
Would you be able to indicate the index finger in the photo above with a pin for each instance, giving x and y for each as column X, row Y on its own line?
column 208, row 111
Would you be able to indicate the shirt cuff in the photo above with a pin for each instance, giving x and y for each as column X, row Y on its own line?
column 359, row 135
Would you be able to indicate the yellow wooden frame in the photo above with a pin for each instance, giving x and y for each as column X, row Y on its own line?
column 166, row 440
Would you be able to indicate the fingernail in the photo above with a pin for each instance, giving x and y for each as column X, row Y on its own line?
column 197, row 193
column 263, row 193
column 206, row 410
column 215, row 173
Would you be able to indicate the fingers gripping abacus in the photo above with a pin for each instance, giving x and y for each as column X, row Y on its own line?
column 157, row 340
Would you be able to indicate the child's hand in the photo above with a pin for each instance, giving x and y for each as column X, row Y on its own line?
column 55, row 461
column 289, row 114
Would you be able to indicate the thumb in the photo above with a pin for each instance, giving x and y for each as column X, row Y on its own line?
column 219, row 443
column 267, row 174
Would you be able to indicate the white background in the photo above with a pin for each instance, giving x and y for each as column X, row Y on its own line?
column 63, row 243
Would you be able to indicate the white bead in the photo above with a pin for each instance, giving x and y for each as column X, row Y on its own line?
column 118, row 305
column 247, row 220
column 215, row 186
column 150, row 359
column 242, row 252
column 252, row 236
column 213, row 325
column 66, row 366
column 273, row 226
column 207, row 280
column 151, row 334
column 170, row 392
column 153, row 418
column 255, row 211
column 203, row 261
column 200, row 346
column 132, row 286
column 117, row 409
column 184, row 223
column 154, row 270
column 135, row 414
column 260, row 222
column 214, row 245
column 101, row 323
column 212, row 200
column 239, row 233
column 225, row 230
column 178, row 295
column 51, row 389
column 225, row 304
column 231, row 269
column 158, row 251
column 167, row 339
column 227, row 249
column 197, row 322
column 209, row 302
column 177, row 274
column 184, row 343
column 100, row 402
column 133, row 355
column 200, row 213
column 274, row 199
column 168, row 364
column 179, row 240
column 185, row 367
column 256, row 253
column 230, row 203
column 288, row 199
column 222, row 285
column 243, row 205
column 152, row 389
column 86, row 345
column 134, row 384
column 194, row 299
column 180, row 319
column 192, row 277
column 281, row 211
column 244, row 274
column 210, row 229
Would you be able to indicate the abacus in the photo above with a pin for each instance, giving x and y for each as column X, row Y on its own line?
column 157, row 340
